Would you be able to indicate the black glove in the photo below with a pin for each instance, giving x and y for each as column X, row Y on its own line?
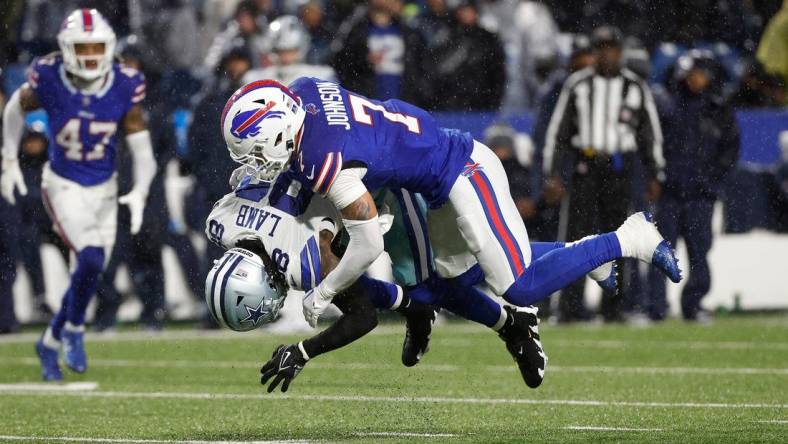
column 286, row 363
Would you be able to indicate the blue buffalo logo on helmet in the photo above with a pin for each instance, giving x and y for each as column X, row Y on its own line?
column 247, row 123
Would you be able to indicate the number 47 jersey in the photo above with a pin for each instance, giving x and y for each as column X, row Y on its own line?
column 400, row 144
column 83, row 127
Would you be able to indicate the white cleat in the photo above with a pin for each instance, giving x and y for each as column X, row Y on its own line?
column 640, row 239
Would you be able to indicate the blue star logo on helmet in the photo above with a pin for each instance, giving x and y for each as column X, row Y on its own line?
column 246, row 124
column 253, row 315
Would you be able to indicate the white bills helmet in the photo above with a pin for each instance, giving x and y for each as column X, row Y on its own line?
column 239, row 292
column 86, row 26
column 260, row 123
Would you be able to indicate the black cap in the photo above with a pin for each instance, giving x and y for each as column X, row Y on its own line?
column 606, row 36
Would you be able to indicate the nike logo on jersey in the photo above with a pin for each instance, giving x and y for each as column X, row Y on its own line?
column 309, row 176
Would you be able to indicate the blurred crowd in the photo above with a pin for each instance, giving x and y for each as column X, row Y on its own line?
column 694, row 61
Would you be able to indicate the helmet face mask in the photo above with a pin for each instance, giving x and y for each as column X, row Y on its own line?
column 83, row 35
column 261, row 123
column 260, row 166
column 239, row 292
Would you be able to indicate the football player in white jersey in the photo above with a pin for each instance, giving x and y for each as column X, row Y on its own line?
column 87, row 97
column 285, row 232
column 276, row 228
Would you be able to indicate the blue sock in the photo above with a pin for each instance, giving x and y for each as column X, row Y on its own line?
column 539, row 249
column 59, row 319
column 466, row 301
column 90, row 263
column 560, row 267
column 382, row 294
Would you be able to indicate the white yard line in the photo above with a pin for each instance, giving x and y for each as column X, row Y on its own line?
column 425, row 399
column 610, row 429
column 658, row 370
column 139, row 363
column 198, row 335
column 137, row 441
column 50, row 387
column 406, row 434
column 773, row 421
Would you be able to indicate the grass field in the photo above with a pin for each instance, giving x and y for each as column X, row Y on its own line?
column 669, row 383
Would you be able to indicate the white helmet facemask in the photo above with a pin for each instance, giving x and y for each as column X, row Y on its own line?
column 85, row 26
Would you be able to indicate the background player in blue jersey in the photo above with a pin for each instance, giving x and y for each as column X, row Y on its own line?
column 86, row 97
column 342, row 145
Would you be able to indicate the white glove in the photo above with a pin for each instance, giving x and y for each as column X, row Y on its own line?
column 315, row 303
column 135, row 200
column 11, row 178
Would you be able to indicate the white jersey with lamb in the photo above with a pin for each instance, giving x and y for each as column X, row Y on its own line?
column 290, row 239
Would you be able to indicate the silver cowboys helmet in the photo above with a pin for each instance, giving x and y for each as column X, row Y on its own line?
column 239, row 292
column 287, row 33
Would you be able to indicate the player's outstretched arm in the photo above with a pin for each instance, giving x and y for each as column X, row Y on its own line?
column 21, row 101
column 359, row 317
column 139, row 144
column 360, row 217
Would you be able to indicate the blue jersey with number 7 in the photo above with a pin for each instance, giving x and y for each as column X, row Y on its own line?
column 400, row 144
column 83, row 127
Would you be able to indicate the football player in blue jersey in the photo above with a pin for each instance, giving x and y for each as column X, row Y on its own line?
column 341, row 145
column 86, row 96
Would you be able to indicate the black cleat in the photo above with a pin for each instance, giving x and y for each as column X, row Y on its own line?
column 418, row 328
column 521, row 335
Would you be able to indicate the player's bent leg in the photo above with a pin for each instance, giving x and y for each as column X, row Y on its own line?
column 419, row 317
column 488, row 219
column 605, row 275
column 636, row 238
column 518, row 328
column 90, row 263
column 560, row 267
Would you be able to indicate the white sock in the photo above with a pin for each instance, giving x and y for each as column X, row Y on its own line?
column 397, row 303
column 74, row 328
column 49, row 340
column 501, row 320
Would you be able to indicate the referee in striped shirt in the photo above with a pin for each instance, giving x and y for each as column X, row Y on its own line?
column 604, row 123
